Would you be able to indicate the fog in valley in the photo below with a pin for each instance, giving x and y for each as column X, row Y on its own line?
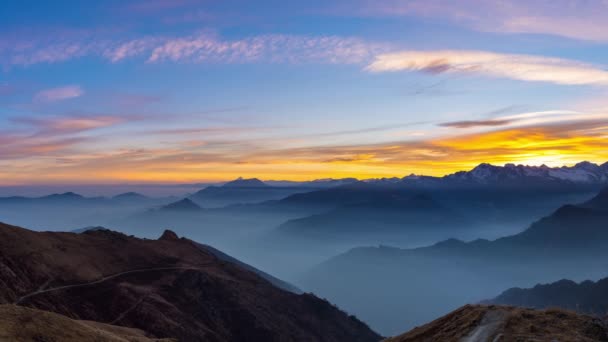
column 395, row 254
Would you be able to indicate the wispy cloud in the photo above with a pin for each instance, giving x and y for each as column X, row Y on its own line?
column 265, row 48
column 490, row 64
column 58, row 94
column 54, row 126
column 576, row 19
column 553, row 138
column 26, row 49
column 36, row 138
column 475, row 123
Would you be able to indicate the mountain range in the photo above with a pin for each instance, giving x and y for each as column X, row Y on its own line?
column 396, row 214
column 413, row 292
column 588, row 297
column 581, row 174
column 242, row 191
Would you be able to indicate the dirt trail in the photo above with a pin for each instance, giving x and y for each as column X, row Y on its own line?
column 99, row 281
column 487, row 328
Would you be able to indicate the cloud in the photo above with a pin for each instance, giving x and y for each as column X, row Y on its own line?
column 25, row 49
column 59, row 94
column 265, row 48
column 554, row 143
column 36, row 128
column 491, row 64
column 575, row 19
column 475, row 123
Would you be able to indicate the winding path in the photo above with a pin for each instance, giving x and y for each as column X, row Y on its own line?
column 104, row 279
column 487, row 328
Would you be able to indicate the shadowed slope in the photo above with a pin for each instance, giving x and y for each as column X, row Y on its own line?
column 168, row 287
column 19, row 324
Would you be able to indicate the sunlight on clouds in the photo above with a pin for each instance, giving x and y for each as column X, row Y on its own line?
column 554, row 145
column 490, row 64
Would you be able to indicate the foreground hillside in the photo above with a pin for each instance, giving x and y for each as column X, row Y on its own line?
column 169, row 288
column 20, row 324
column 502, row 323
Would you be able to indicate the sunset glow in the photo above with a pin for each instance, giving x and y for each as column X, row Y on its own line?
column 180, row 97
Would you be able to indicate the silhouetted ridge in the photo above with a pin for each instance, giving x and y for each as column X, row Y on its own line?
column 64, row 196
column 586, row 297
column 169, row 235
column 129, row 195
column 245, row 183
column 183, row 205
column 600, row 201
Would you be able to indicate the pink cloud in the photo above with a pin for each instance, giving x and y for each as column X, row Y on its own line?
column 485, row 63
column 67, row 125
column 577, row 19
column 267, row 48
column 59, row 94
column 26, row 49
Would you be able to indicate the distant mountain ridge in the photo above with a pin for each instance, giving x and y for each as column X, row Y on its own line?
column 242, row 191
column 182, row 205
column 583, row 172
column 551, row 248
column 587, row 297
column 383, row 213
column 245, row 183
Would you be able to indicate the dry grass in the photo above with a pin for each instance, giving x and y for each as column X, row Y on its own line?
column 20, row 324
column 518, row 325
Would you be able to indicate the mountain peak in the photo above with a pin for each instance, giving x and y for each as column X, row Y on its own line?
column 65, row 195
column 245, row 183
column 600, row 201
column 569, row 211
column 585, row 165
column 582, row 173
column 129, row 195
column 182, row 205
column 169, row 235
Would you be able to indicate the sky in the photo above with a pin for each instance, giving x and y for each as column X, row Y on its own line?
column 177, row 91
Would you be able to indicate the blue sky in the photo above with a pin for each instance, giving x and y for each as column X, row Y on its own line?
column 175, row 91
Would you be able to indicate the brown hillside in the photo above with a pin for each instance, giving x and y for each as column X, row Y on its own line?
column 20, row 324
column 168, row 287
column 476, row 323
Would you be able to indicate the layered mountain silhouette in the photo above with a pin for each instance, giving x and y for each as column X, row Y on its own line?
column 130, row 196
column 168, row 288
column 182, row 205
column 476, row 323
column 242, row 191
column 587, row 297
column 245, row 183
column 552, row 248
column 583, row 173
column 58, row 211
column 384, row 213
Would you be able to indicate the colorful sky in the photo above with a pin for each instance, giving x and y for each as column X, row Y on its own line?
column 173, row 91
